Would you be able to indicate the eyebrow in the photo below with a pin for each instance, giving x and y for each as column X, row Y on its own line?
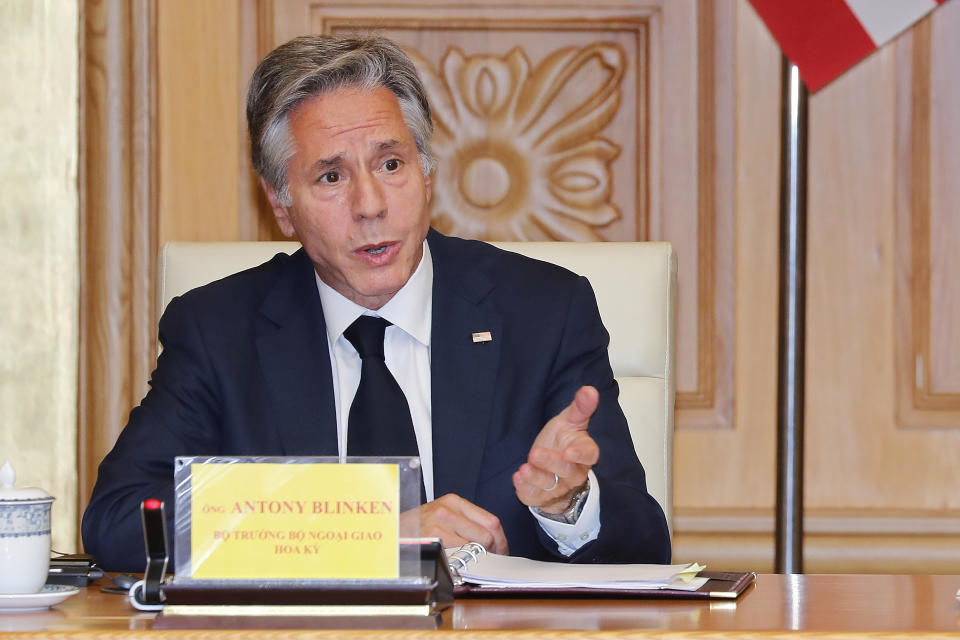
column 323, row 164
column 386, row 145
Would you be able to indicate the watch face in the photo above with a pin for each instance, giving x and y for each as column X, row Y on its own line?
column 572, row 513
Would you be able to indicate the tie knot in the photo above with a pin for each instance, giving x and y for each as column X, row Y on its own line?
column 366, row 335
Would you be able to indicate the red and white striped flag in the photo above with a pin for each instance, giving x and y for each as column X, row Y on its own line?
column 824, row 38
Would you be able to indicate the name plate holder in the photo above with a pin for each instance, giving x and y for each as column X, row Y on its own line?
column 302, row 542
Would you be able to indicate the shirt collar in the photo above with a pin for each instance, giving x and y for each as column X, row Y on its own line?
column 409, row 309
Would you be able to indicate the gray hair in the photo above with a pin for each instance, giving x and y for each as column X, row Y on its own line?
column 309, row 66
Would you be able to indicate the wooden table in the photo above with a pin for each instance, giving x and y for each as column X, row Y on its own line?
column 835, row 606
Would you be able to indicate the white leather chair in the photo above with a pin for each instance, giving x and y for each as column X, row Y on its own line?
column 635, row 284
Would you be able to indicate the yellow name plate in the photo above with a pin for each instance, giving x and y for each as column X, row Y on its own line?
column 271, row 521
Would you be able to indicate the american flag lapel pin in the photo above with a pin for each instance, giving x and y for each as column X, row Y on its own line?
column 482, row 336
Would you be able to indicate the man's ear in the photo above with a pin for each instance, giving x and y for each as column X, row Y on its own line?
column 429, row 186
column 280, row 212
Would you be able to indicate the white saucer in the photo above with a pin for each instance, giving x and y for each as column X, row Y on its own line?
column 50, row 595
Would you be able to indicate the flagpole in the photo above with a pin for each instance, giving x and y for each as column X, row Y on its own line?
column 790, row 383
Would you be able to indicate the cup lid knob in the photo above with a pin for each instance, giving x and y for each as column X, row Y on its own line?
column 7, row 475
column 9, row 492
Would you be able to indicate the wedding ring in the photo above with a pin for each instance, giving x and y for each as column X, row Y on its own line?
column 556, row 483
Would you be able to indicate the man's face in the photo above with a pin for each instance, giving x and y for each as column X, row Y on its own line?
column 359, row 194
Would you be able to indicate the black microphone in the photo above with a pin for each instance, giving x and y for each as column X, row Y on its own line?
column 154, row 524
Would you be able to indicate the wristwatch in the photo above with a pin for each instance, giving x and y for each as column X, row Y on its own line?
column 572, row 512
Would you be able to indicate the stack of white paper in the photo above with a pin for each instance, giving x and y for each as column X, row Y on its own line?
column 490, row 569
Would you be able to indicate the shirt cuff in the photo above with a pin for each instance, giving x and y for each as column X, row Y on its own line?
column 570, row 537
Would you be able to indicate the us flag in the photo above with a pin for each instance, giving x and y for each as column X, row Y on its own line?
column 824, row 38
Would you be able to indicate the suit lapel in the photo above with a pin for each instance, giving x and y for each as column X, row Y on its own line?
column 463, row 373
column 292, row 347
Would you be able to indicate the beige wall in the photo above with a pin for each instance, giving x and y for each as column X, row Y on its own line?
column 38, row 250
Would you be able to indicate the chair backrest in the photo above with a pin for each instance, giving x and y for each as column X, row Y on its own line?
column 635, row 284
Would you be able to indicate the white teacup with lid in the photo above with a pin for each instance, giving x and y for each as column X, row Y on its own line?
column 24, row 535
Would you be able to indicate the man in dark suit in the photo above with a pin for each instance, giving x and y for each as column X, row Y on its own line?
column 501, row 360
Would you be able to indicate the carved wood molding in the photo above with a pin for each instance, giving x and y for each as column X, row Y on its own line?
column 835, row 540
column 710, row 405
column 118, row 205
column 822, row 522
column 256, row 28
column 845, row 553
column 917, row 404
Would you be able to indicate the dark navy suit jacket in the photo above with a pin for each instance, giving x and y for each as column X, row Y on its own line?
column 245, row 370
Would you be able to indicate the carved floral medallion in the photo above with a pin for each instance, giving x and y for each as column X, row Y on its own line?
column 519, row 151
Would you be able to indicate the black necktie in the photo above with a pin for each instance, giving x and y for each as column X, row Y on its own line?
column 379, row 423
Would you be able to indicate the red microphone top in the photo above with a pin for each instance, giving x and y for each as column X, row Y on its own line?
column 152, row 504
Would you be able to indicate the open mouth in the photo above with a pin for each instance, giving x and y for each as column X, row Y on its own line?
column 378, row 253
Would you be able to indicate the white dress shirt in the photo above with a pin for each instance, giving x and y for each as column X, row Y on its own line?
column 406, row 347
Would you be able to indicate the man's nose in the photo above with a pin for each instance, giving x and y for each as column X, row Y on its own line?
column 368, row 200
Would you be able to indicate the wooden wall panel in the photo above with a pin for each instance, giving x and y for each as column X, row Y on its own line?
column 199, row 157
column 944, row 104
column 882, row 418
column 725, row 479
column 206, row 53
column 687, row 152
column 708, row 403
column 927, row 294
column 851, row 329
